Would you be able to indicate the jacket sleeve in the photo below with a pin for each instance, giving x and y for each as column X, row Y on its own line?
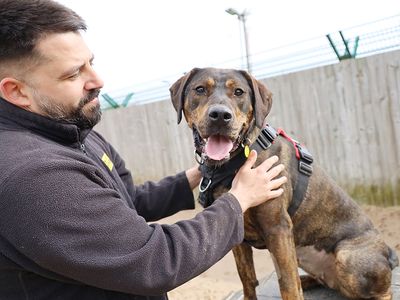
column 156, row 200
column 63, row 218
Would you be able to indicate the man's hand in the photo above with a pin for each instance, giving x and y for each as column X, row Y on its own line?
column 194, row 176
column 254, row 186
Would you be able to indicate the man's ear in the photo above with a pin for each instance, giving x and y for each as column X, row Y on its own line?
column 262, row 99
column 177, row 92
column 15, row 92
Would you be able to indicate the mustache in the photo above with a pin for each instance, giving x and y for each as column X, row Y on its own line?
column 89, row 97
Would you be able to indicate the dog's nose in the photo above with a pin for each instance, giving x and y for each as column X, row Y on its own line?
column 220, row 114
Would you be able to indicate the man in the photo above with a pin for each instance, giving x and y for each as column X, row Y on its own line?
column 72, row 223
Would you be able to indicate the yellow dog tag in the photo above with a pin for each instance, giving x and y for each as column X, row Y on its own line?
column 246, row 151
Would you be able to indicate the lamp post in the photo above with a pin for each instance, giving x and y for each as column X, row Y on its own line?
column 242, row 18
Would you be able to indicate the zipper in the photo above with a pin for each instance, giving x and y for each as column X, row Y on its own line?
column 81, row 145
column 83, row 148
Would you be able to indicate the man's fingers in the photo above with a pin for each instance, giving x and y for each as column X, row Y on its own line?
column 249, row 163
column 275, row 193
column 268, row 163
column 275, row 171
column 276, row 183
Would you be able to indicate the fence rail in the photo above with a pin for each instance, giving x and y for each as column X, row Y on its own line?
column 371, row 38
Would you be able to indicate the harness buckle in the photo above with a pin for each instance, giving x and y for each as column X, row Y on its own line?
column 305, row 168
column 305, row 154
column 270, row 132
column 305, row 160
column 266, row 137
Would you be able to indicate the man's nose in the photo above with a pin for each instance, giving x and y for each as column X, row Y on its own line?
column 94, row 81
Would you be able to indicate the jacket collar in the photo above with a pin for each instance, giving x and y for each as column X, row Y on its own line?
column 58, row 131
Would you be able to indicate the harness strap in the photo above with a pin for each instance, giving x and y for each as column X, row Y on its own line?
column 305, row 170
column 302, row 154
column 197, row 142
column 216, row 176
column 224, row 174
column 299, row 192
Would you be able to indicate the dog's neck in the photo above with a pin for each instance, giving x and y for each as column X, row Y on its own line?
column 222, row 174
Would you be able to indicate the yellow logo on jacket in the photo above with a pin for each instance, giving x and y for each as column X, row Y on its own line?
column 107, row 161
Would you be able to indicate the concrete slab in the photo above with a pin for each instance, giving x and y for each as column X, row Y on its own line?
column 268, row 289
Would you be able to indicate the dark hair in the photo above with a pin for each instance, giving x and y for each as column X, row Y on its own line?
column 24, row 22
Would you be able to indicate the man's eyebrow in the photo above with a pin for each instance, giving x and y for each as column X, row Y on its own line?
column 74, row 69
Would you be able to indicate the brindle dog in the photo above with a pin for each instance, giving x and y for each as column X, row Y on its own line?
column 329, row 236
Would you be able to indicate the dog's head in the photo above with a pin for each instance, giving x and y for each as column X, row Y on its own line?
column 220, row 105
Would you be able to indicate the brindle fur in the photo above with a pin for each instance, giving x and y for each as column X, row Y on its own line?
column 329, row 236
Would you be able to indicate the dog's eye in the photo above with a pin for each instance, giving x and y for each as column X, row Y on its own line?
column 239, row 92
column 200, row 90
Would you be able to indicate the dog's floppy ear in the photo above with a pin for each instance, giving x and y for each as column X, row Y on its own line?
column 262, row 99
column 177, row 92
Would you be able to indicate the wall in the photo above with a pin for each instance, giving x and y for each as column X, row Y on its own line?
column 347, row 114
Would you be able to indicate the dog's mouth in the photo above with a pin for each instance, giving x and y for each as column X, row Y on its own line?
column 216, row 147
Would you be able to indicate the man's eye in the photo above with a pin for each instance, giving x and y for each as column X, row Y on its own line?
column 73, row 76
column 238, row 92
column 200, row 90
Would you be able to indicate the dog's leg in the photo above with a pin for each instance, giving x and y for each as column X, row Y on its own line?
column 245, row 265
column 280, row 242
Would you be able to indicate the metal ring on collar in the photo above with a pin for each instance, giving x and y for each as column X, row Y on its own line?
column 206, row 188
column 245, row 142
column 198, row 158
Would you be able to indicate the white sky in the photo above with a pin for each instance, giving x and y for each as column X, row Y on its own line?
column 140, row 41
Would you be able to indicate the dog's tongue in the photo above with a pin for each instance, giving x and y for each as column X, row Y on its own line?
column 218, row 147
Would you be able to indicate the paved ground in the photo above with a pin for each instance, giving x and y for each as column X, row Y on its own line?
column 269, row 290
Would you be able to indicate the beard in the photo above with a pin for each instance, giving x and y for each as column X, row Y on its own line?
column 81, row 116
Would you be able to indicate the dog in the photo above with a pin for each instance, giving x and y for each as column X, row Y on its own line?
column 324, row 231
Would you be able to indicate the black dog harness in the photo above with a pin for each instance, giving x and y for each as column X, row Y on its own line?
column 223, row 175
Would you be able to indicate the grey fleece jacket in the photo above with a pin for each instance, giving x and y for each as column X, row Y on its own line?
column 75, row 227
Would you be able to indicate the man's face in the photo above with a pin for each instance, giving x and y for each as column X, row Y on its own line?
column 65, row 86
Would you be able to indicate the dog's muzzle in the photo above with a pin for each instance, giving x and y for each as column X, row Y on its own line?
column 219, row 115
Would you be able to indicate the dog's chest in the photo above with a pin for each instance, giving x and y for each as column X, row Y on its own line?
column 252, row 234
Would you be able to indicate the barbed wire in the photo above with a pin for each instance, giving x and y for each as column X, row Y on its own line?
column 355, row 42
